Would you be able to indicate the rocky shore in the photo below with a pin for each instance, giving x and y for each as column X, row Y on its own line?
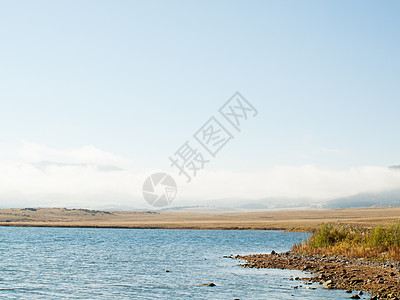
column 381, row 279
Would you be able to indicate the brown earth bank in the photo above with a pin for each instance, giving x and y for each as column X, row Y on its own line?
column 381, row 279
column 289, row 220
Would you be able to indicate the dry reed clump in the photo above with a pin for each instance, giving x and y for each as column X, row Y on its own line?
column 381, row 243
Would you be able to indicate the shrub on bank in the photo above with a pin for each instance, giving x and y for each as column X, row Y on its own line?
column 382, row 242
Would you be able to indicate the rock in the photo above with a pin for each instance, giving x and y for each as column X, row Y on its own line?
column 328, row 282
column 355, row 297
column 296, row 287
column 349, row 291
column 306, row 267
column 358, row 280
column 273, row 252
column 336, row 272
column 208, row 284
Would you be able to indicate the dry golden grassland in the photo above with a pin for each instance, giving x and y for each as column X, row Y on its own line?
column 291, row 220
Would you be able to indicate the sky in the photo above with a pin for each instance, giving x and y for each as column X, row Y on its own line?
column 90, row 85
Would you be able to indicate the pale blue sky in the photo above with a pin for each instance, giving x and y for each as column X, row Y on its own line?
column 138, row 78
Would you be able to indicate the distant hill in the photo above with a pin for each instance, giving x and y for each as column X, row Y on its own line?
column 382, row 199
column 276, row 203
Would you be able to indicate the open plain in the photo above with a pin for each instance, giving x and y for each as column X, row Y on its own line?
column 288, row 220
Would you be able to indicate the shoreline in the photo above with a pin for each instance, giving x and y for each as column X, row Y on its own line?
column 148, row 227
column 381, row 279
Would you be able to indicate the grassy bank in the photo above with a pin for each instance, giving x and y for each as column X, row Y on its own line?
column 381, row 242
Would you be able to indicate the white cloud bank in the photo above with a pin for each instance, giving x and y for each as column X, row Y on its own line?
column 35, row 175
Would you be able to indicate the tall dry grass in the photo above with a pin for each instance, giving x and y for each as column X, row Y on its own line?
column 381, row 243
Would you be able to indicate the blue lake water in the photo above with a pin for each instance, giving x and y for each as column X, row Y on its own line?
column 89, row 263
